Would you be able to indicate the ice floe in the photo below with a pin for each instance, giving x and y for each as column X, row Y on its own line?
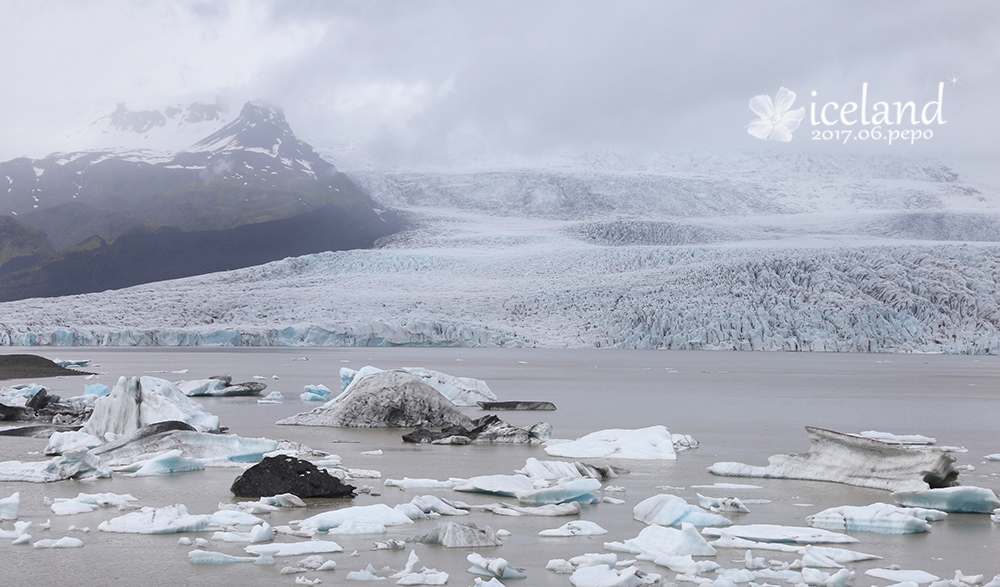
column 9, row 506
column 64, row 542
column 88, row 502
column 73, row 465
column 575, row 528
column 378, row 513
column 669, row 510
column 656, row 541
column 494, row 567
column 776, row 533
column 454, row 535
column 569, row 490
column 554, row 470
column 281, row 549
column 602, row 576
column 961, row 499
column 211, row 449
column 899, row 575
column 654, row 442
column 881, row 518
column 165, row 520
column 853, row 460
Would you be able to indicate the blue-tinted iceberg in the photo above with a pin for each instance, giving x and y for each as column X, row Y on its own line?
column 656, row 541
column 9, row 506
column 881, row 518
column 571, row 490
column 962, row 499
column 670, row 510
column 378, row 513
column 775, row 533
column 137, row 401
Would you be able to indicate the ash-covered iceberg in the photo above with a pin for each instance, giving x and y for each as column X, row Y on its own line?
column 844, row 458
column 461, row 391
column 386, row 399
column 147, row 441
column 73, row 465
column 137, row 401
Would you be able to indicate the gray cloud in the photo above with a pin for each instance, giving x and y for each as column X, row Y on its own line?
column 424, row 81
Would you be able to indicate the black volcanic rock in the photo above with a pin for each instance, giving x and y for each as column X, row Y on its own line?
column 285, row 474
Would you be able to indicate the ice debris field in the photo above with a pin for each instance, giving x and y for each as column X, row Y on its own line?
column 147, row 427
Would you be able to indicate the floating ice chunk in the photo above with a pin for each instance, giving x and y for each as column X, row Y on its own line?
column 295, row 548
column 811, row 557
column 431, row 503
column 211, row 449
column 494, row 567
column 493, row 582
column 9, row 506
column 315, row 393
column 570, row 508
column 22, row 539
column 575, row 528
column 453, row 535
column 72, row 465
column 166, row 520
column 274, row 397
column 899, row 576
column 378, row 513
column 574, row 489
column 63, row 442
column 593, row 559
column 722, row 504
column 307, row 581
column 96, row 389
column 164, row 463
column 881, row 518
column 234, row 518
column 352, row 527
column 992, row 457
column 461, row 391
column 390, row 544
column 407, row 483
column 363, row 575
column 774, row 533
column 727, row 486
column 64, row 542
column 654, row 442
column 88, row 502
column 656, row 541
column 555, row 470
column 505, row 485
column 138, row 401
column 844, row 458
column 20, row 529
column 686, row 564
column 670, row 510
column 817, row 578
column 204, row 557
column 282, row 500
column 962, row 499
column 840, row 555
column 601, row 576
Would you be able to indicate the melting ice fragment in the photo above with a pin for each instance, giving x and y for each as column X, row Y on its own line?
column 575, row 528
column 9, row 506
column 670, row 510
column 378, row 513
column 881, row 518
column 656, row 541
column 961, row 499
column 494, row 567
column 64, row 542
column 166, row 520
column 902, row 575
column 73, row 465
column 775, row 533
column 653, row 442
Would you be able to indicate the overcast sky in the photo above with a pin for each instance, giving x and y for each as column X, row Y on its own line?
column 427, row 81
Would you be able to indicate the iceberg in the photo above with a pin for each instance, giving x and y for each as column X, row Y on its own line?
column 280, row 549
column 775, row 533
column 654, row 442
column 575, row 528
column 722, row 504
column 453, row 535
column 9, row 506
column 670, row 510
column 844, row 458
column 378, row 513
column 961, row 499
column 137, row 401
column 219, row 388
column 315, row 393
column 433, row 504
column 505, row 485
column 88, row 502
column 601, row 576
column 570, row 508
column 63, row 442
column 64, row 542
column 494, row 567
column 407, row 483
column 143, row 443
column 839, row 555
column 571, row 490
column 555, row 470
column 656, row 541
column 166, row 520
column 900, row 576
column 164, row 463
column 234, row 518
column 880, row 518
column 384, row 400
column 686, row 565
column 205, row 557
column 352, row 527
column 72, row 465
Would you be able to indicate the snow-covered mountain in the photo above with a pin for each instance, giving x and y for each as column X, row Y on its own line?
column 166, row 130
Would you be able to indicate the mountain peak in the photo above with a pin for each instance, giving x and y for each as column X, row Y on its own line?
column 259, row 127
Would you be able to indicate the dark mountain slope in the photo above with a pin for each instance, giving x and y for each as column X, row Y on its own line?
column 21, row 245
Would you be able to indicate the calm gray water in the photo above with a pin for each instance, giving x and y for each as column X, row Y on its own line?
column 740, row 406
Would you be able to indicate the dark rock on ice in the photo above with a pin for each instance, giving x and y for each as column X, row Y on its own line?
column 453, row 535
column 32, row 367
column 285, row 474
column 388, row 399
column 16, row 413
column 486, row 430
column 39, row 431
column 854, row 460
column 133, row 439
column 516, row 406
column 242, row 389
column 40, row 400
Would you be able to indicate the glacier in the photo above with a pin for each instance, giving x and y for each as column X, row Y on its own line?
column 659, row 254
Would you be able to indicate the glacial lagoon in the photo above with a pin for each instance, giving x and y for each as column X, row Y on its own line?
column 739, row 406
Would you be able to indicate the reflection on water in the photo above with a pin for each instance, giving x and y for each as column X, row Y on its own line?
column 740, row 406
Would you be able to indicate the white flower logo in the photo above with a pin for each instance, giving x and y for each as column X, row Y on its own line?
column 776, row 122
